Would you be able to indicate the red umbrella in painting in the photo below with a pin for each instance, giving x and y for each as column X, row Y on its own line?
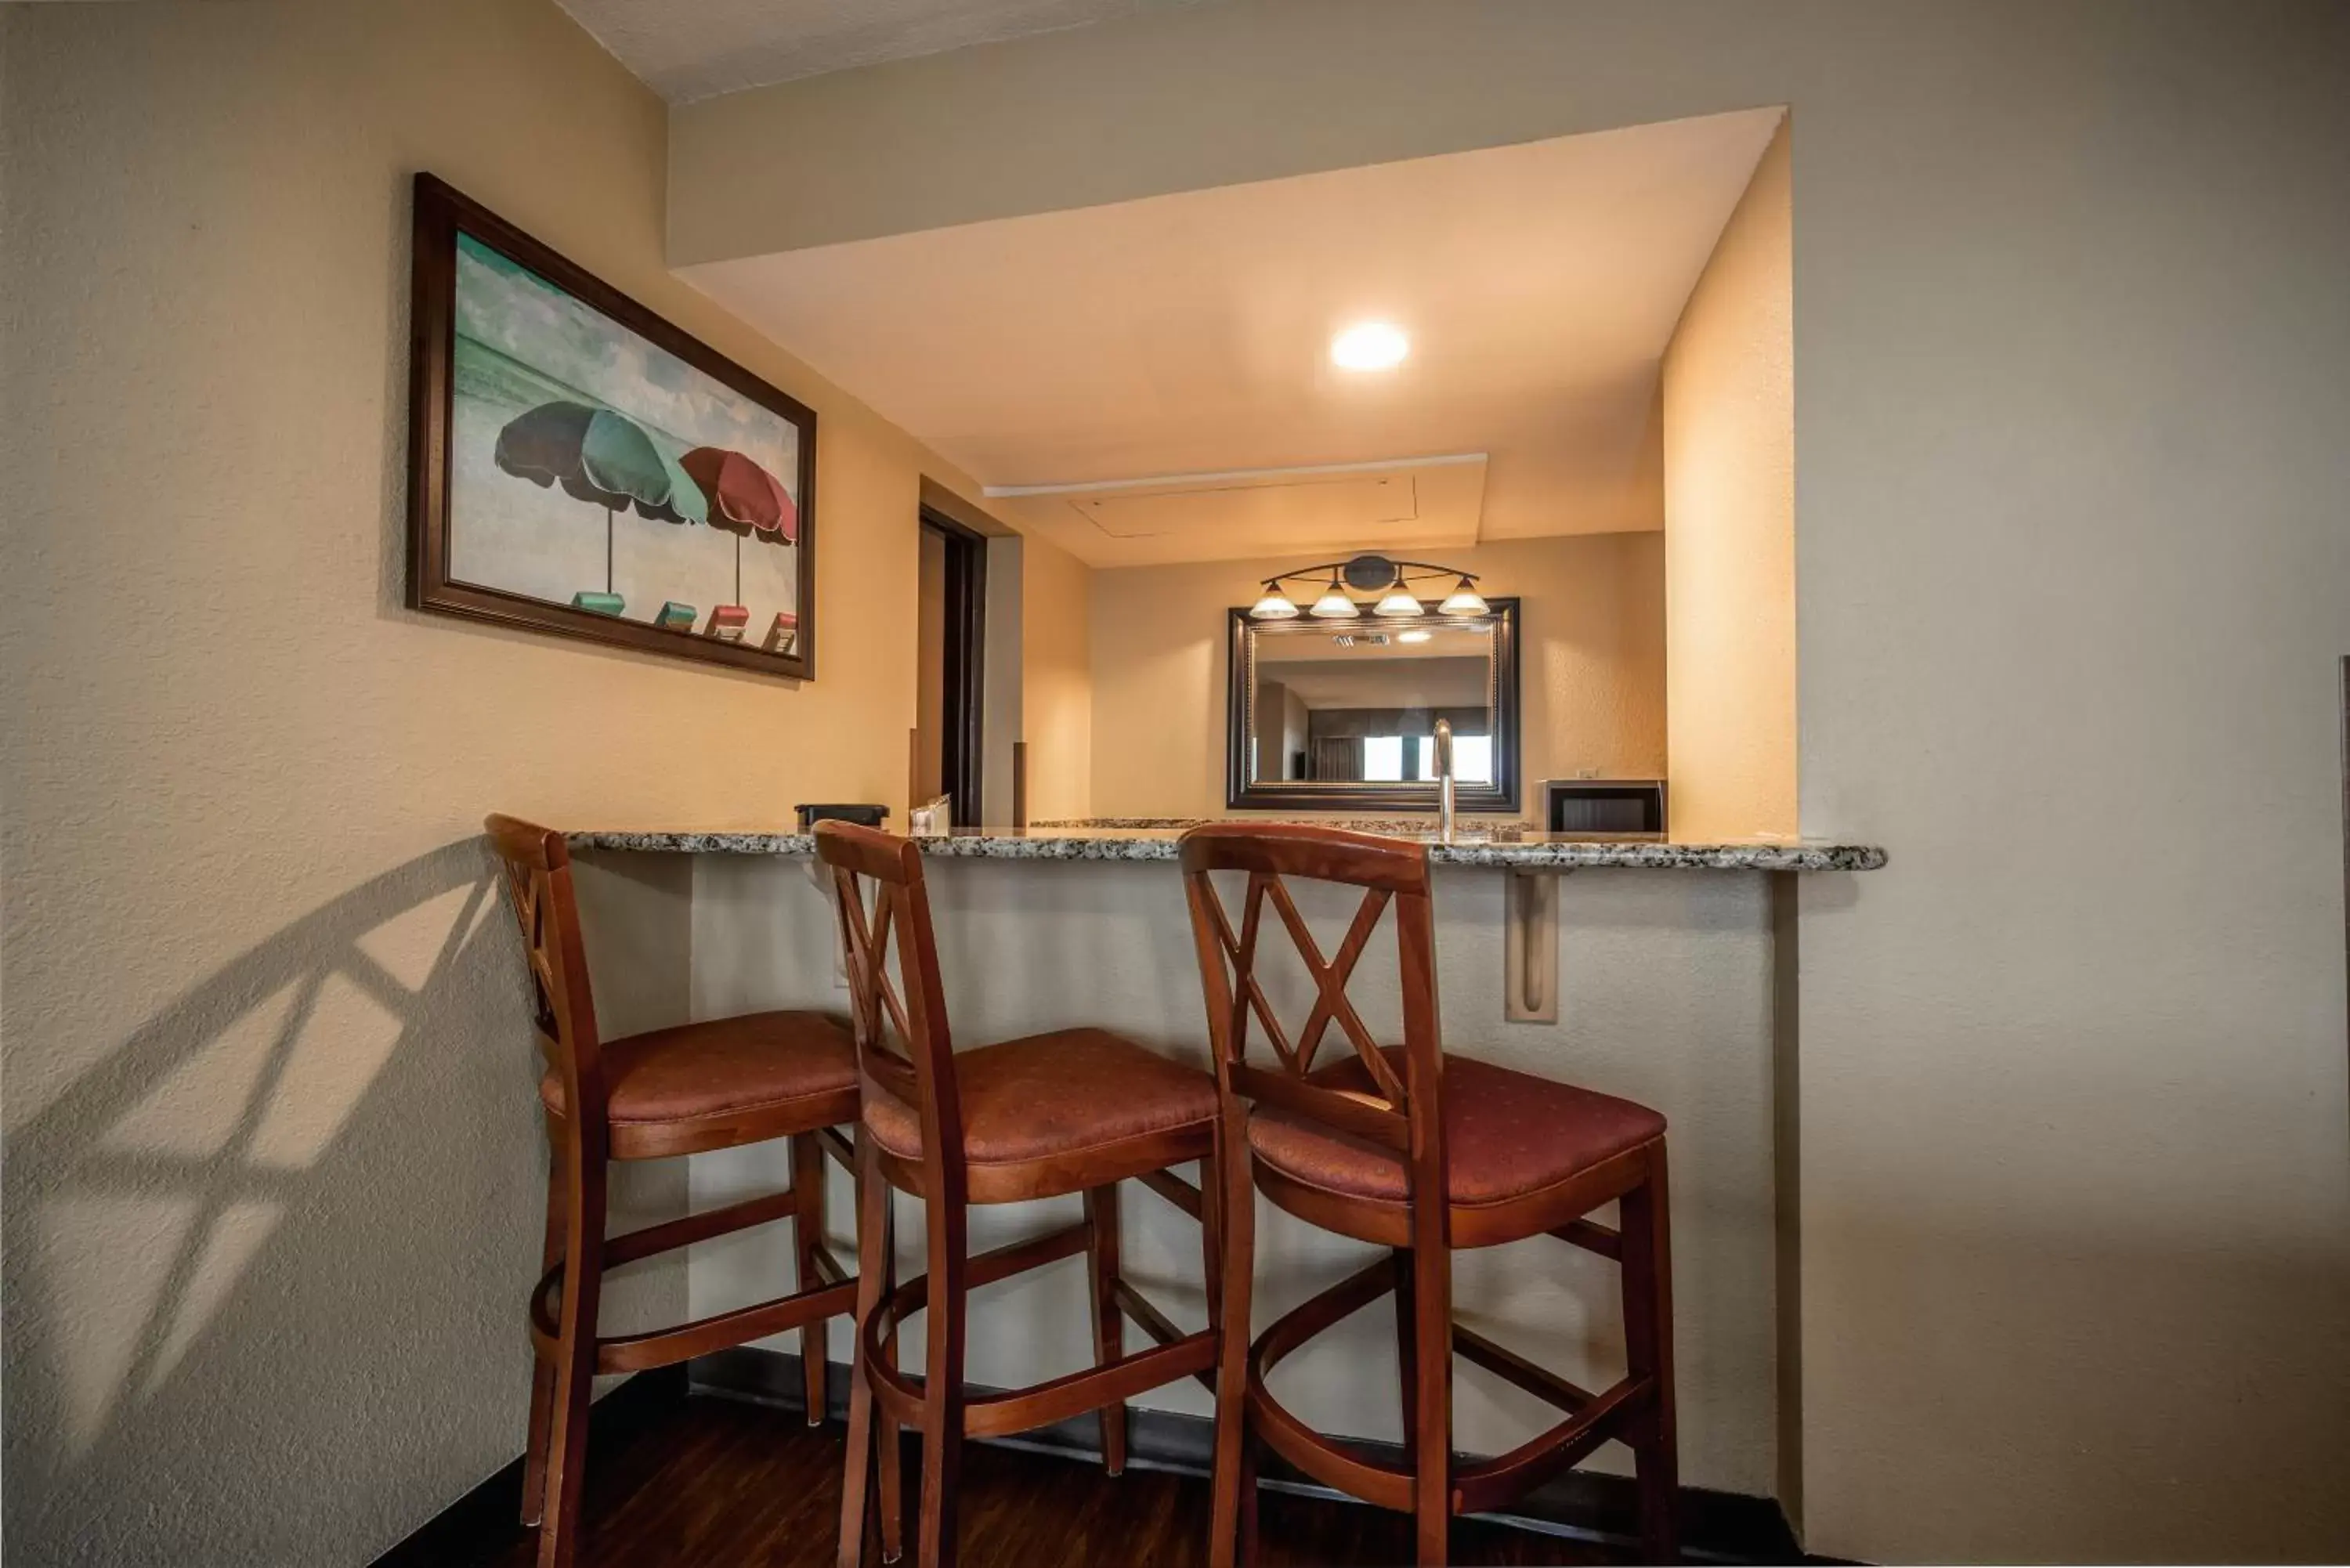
column 744, row 500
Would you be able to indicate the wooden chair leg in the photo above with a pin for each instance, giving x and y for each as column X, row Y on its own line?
column 574, row 1378
column 942, row 1395
column 1406, row 1353
column 807, row 1236
column 1648, row 1266
column 873, row 1246
column 1432, row 1333
column 890, row 1453
column 1212, row 1237
column 542, row 1371
column 1224, row 1189
column 1109, row 1320
column 1246, row 1466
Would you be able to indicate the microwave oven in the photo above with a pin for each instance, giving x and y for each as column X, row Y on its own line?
column 1604, row 807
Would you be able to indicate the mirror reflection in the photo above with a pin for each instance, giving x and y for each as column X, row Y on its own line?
column 1357, row 703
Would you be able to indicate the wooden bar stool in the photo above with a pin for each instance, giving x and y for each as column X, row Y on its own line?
column 1077, row 1110
column 1422, row 1153
column 686, row 1090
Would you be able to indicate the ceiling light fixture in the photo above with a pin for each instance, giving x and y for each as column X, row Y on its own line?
column 1390, row 579
column 1334, row 604
column 1369, row 345
column 1463, row 600
column 1274, row 605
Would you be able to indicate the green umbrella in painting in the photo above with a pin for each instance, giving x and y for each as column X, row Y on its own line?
column 603, row 458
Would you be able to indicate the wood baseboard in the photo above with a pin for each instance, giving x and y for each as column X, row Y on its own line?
column 1582, row 1505
column 488, row 1511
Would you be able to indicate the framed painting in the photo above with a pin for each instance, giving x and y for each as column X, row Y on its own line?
column 580, row 466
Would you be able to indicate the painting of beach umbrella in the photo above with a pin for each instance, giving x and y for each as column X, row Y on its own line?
column 607, row 460
column 543, row 372
column 745, row 499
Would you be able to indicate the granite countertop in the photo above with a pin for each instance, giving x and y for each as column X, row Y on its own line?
column 1129, row 839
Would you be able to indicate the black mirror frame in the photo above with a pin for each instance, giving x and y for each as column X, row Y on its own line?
column 1242, row 794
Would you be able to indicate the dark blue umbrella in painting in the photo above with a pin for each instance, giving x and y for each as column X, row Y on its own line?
column 603, row 458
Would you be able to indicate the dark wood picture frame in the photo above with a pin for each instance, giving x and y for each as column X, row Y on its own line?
column 1241, row 794
column 442, row 212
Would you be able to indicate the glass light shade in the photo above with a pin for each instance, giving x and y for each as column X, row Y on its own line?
column 1272, row 606
column 1334, row 606
column 1462, row 602
column 1414, row 635
column 1397, row 603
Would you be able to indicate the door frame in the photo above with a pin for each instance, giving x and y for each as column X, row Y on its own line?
column 961, row 753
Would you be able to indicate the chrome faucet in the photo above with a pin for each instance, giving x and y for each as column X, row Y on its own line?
column 1444, row 779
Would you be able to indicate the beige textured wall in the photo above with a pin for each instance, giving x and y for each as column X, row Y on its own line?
column 1729, row 397
column 1591, row 666
column 2073, row 580
column 272, row 1159
column 1057, row 682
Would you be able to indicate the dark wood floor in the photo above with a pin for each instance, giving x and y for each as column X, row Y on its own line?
column 712, row 1480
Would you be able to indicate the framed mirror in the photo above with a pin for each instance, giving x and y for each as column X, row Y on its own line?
column 1341, row 715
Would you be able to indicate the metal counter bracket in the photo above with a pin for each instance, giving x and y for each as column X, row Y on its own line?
column 1530, row 946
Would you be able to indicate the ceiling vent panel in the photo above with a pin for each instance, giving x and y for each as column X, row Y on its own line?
column 1337, row 506
column 1410, row 503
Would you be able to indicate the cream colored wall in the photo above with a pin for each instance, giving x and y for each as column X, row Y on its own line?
column 2073, row 580
column 273, row 1159
column 1058, row 707
column 1591, row 673
column 1729, row 396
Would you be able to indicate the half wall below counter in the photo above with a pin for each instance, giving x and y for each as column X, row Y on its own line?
column 1668, row 993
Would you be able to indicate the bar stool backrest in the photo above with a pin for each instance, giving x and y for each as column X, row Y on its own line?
column 903, row 1046
column 1406, row 1113
column 539, row 882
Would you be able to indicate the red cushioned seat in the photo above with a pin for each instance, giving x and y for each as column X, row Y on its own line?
column 725, row 1067
column 1048, row 1096
column 1506, row 1134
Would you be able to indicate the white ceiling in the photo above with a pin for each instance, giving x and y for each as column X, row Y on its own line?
column 1188, row 334
column 1392, row 507
column 688, row 50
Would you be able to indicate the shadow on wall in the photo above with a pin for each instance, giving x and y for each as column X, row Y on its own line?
column 266, row 1262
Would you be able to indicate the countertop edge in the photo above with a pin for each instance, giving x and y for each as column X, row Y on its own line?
column 1572, row 856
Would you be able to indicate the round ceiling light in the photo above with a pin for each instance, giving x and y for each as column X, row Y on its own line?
column 1369, row 345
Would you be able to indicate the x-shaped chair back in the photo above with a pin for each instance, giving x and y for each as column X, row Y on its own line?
column 1404, row 1111
column 903, row 1046
column 539, row 882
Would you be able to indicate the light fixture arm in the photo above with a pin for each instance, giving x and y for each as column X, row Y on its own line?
column 1349, row 571
column 1371, row 573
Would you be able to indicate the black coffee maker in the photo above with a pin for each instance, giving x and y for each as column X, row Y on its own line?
column 863, row 815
